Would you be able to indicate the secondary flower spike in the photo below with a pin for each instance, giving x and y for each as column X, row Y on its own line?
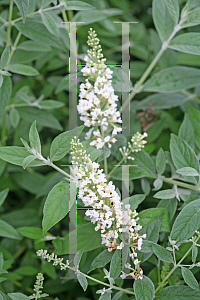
column 109, row 213
column 97, row 105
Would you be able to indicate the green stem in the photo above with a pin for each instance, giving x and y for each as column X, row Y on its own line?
column 115, row 167
column 121, row 161
column 64, row 15
column 61, row 171
column 179, row 183
column 37, row 12
column 9, row 23
column 174, row 268
column 19, row 252
column 3, row 131
column 158, row 266
column 70, row 15
column 4, row 21
column 13, row 48
column 174, row 256
column 17, row 105
column 103, row 283
column 139, row 84
column 190, row 95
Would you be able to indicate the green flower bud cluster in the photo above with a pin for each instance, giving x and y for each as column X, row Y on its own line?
column 38, row 287
column 54, row 258
column 79, row 156
column 95, row 53
column 136, row 145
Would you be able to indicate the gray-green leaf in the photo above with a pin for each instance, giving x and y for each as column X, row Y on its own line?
column 5, row 93
column 173, row 79
column 78, row 256
column 134, row 200
column 165, row 194
column 194, row 115
column 8, row 231
column 173, row 7
column 34, row 138
column 193, row 18
column 186, row 222
column 102, row 259
column 18, row 296
column 23, row 7
column 15, row 155
column 23, row 70
column 78, row 5
column 27, row 160
column 115, row 265
column 162, row 253
column 61, row 144
column 14, row 117
column 162, row 101
column 187, row 171
column 50, row 23
column 5, row 57
column 51, row 104
column 179, row 292
column 182, row 154
column 144, row 289
column 82, row 280
column 3, row 195
column 186, row 131
column 187, row 43
column 56, row 206
column 189, row 278
column 160, row 161
column 1, row 79
column 162, row 19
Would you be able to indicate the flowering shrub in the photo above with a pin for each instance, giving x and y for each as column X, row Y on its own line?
column 121, row 212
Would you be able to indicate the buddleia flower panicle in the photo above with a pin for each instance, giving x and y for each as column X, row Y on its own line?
column 111, row 216
column 53, row 257
column 97, row 104
column 38, row 286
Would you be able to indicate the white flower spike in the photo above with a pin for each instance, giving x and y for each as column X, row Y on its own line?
column 97, row 105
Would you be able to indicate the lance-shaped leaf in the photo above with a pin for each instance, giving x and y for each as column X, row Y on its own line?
column 187, row 43
column 50, row 23
column 8, row 231
column 61, row 144
column 56, row 206
column 27, row 160
column 162, row 253
column 23, row 7
column 5, row 57
column 15, row 155
column 189, row 278
column 23, row 70
column 173, row 79
column 144, row 289
column 178, row 292
column 182, row 154
column 186, row 222
column 173, row 7
column 3, row 195
column 82, row 280
column 34, row 138
column 162, row 19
